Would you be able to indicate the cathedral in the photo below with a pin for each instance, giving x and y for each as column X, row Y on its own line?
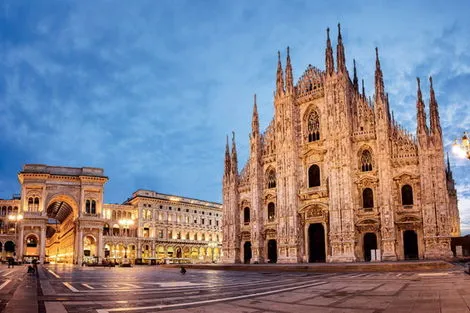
column 335, row 178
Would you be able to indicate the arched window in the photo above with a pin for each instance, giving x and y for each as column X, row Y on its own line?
column 271, row 211
column 367, row 198
column 114, row 215
column 93, row 207
column 272, row 179
column 313, row 176
column 313, row 127
column 36, row 204
column 87, row 206
column 366, row 161
column 106, row 230
column 246, row 216
column 406, row 195
column 30, row 205
column 187, row 236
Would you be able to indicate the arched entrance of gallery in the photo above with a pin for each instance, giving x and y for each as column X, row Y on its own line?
column 370, row 243
column 316, row 243
column 10, row 249
column 89, row 249
column 247, row 252
column 272, row 251
column 60, row 231
column 410, row 245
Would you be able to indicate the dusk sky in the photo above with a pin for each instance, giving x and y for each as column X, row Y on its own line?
column 148, row 90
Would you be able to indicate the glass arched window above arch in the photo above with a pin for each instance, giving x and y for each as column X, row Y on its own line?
column 271, row 178
column 367, row 198
column 246, row 215
column 407, row 195
column 313, row 127
column 366, row 161
column 313, row 176
column 87, row 206
column 271, row 211
column 93, row 207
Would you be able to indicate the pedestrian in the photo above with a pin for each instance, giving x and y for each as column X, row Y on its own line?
column 35, row 267
column 183, row 270
column 9, row 262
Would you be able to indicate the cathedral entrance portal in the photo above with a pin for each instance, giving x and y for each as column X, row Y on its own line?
column 316, row 243
column 272, row 251
column 247, row 252
column 370, row 242
column 410, row 244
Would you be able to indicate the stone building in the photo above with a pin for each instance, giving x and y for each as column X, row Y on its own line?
column 334, row 177
column 60, row 216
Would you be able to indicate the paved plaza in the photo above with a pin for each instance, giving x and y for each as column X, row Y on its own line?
column 66, row 288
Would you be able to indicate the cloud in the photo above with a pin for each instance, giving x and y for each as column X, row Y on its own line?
column 148, row 91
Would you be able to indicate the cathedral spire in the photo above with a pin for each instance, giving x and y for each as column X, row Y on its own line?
column 422, row 128
column 255, row 119
column 234, row 161
column 434, row 111
column 363, row 90
column 289, row 76
column 329, row 62
column 355, row 81
column 340, row 58
column 379, row 82
column 227, row 159
column 279, row 76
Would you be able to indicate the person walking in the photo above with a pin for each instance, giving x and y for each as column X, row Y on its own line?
column 35, row 266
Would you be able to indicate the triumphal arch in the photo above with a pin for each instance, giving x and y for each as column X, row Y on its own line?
column 61, row 207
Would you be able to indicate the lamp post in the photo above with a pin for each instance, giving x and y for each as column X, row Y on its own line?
column 125, row 224
column 462, row 148
column 213, row 245
column 16, row 218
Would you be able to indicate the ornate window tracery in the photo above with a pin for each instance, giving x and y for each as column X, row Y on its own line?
column 366, row 161
column 407, row 195
column 313, row 176
column 271, row 178
column 313, row 127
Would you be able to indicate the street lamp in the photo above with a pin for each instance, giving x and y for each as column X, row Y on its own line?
column 125, row 224
column 16, row 218
column 462, row 149
column 213, row 245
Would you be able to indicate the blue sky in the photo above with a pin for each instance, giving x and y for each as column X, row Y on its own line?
column 149, row 89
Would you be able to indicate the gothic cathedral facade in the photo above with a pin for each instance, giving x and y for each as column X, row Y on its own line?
column 334, row 178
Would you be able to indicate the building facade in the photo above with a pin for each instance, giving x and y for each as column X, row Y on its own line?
column 334, row 177
column 60, row 217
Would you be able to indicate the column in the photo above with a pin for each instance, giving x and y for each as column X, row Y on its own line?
column 80, row 247
column 42, row 253
column 139, row 250
column 100, row 246
column 20, row 241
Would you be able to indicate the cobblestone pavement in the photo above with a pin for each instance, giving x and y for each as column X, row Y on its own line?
column 155, row 289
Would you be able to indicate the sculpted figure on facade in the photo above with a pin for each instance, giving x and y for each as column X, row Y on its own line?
column 340, row 154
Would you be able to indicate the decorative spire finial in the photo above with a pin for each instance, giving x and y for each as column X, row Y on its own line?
column 355, row 81
column 329, row 62
column 340, row 57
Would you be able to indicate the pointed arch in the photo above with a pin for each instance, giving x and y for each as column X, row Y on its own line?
column 313, row 126
column 366, row 160
column 271, row 178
